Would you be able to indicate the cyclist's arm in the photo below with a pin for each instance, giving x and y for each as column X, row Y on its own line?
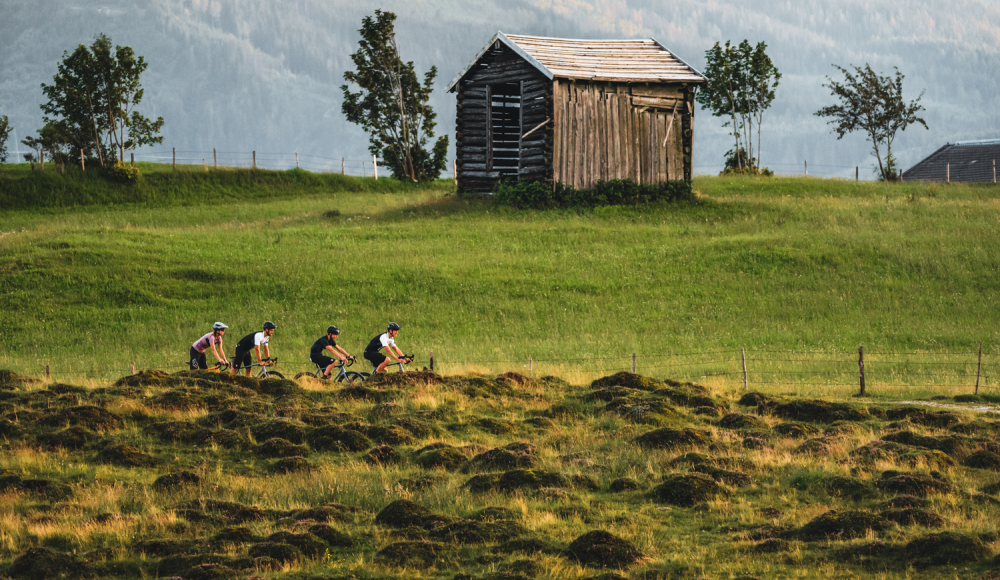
column 335, row 353
column 267, row 351
column 220, row 357
column 256, row 349
column 399, row 354
column 344, row 352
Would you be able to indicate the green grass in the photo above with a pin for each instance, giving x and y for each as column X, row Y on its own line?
column 789, row 264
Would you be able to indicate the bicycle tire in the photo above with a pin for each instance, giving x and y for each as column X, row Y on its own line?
column 354, row 376
column 310, row 375
column 274, row 375
column 365, row 376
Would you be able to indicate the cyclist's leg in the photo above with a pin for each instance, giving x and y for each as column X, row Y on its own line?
column 377, row 359
column 197, row 360
column 327, row 364
column 241, row 359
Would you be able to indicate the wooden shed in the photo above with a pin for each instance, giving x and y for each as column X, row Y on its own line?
column 575, row 111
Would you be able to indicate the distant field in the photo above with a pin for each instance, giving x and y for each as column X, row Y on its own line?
column 789, row 264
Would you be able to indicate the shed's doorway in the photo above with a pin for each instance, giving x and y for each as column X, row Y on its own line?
column 505, row 128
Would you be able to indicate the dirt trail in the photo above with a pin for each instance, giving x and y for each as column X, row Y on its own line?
column 976, row 409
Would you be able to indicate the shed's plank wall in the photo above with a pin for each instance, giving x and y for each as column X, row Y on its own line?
column 609, row 131
column 501, row 65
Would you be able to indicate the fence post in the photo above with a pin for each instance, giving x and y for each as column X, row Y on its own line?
column 133, row 159
column 432, row 361
column 132, row 366
column 530, row 366
column 994, row 171
column 41, row 159
column 174, row 162
column 807, row 167
column 343, row 166
column 83, row 163
column 375, row 164
column 255, row 160
column 979, row 366
column 743, row 354
column 296, row 160
column 633, row 363
column 215, row 159
column 855, row 173
column 861, row 369
column 47, row 375
column 948, row 174
column 454, row 170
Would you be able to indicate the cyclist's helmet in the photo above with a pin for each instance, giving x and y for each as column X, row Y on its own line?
column 332, row 330
column 393, row 326
column 219, row 326
column 269, row 325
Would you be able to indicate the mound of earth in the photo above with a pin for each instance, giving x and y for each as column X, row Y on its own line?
column 335, row 438
column 125, row 456
column 983, row 460
column 88, row 416
column 741, row 421
column 517, row 479
column 479, row 532
column 234, row 535
column 286, row 429
column 179, row 479
column 403, row 513
column 627, row 380
column 46, row 564
column 361, row 393
column 731, row 478
column 670, row 438
column 333, row 537
column 147, row 378
column 795, row 430
column 942, row 419
column 899, row 453
column 495, row 426
column 307, row 543
column 917, row 484
column 686, row 489
column 383, row 455
column 493, row 514
column 418, row 555
column 913, row 516
column 772, row 546
column 946, row 548
column 513, row 456
column 819, row 411
column 407, row 379
column 45, row 488
column 841, row 525
column 949, row 444
column 278, row 551
column 69, row 438
column 291, row 465
column 517, row 380
column 448, row 458
column 605, row 550
column 624, row 484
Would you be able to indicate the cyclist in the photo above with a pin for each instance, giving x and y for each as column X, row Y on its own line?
column 253, row 342
column 211, row 339
column 328, row 343
column 385, row 340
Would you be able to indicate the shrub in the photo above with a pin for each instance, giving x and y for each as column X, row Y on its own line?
column 540, row 195
column 122, row 173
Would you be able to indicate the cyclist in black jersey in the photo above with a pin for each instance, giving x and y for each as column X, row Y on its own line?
column 317, row 353
column 252, row 343
column 385, row 340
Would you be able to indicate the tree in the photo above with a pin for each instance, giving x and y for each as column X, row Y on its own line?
column 92, row 101
column 5, row 130
column 874, row 104
column 741, row 85
column 392, row 106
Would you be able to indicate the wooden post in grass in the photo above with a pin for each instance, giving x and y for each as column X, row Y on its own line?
column 83, row 163
column 133, row 159
column 994, row 171
column 807, row 167
column 375, row 164
column 861, row 369
column 948, row 172
column 633, row 363
column 454, row 170
column 343, row 166
column 41, row 159
column 743, row 354
column 530, row 366
column 296, row 161
column 133, row 368
column 173, row 164
column 47, row 375
column 255, row 160
column 215, row 159
column 979, row 366
column 432, row 361
column 855, row 173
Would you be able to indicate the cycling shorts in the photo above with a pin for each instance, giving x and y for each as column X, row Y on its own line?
column 242, row 358
column 323, row 361
column 198, row 360
column 376, row 358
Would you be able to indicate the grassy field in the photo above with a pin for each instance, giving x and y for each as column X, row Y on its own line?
column 813, row 266
column 481, row 473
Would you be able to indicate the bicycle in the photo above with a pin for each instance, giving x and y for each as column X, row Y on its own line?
column 266, row 374
column 218, row 368
column 402, row 369
column 341, row 374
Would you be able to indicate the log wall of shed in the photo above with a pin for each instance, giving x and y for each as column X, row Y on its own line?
column 500, row 65
column 607, row 131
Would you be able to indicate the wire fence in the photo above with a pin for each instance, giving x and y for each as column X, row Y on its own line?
column 355, row 166
column 964, row 372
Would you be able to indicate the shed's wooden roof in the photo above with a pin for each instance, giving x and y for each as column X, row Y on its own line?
column 644, row 60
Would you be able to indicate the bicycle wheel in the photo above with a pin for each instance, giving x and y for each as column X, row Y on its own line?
column 365, row 376
column 274, row 375
column 310, row 375
column 353, row 376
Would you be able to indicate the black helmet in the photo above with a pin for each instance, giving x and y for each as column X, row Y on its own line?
column 393, row 326
column 269, row 325
column 332, row 330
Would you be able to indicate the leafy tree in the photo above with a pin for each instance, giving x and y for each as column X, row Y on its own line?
column 874, row 104
column 741, row 85
column 5, row 130
column 392, row 105
column 92, row 102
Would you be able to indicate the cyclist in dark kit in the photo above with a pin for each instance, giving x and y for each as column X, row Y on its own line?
column 211, row 340
column 328, row 343
column 253, row 342
column 385, row 340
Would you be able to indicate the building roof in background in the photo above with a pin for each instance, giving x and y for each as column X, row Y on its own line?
column 636, row 61
column 964, row 160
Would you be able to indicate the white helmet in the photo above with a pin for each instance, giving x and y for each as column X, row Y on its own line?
column 219, row 326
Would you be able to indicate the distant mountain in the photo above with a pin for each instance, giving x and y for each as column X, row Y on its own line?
column 264, row 75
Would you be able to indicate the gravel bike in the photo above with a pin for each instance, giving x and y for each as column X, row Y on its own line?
column 340, row 376
column 264, row 373
column 402, row 369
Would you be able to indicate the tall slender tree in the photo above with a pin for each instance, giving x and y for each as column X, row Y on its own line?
column 5, row 130
column 392, row 105
column 874, row 104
